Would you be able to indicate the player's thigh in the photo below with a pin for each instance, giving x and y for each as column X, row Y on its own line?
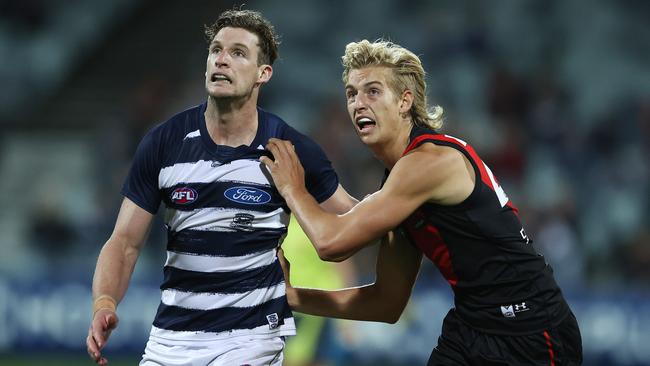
column 158, row 354
column 247, row 351
column 451, row 349
column 567, row 342
column 460, row 344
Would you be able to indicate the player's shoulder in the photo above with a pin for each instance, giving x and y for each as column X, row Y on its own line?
column 277, row 127
column 432, row 159
column 420, row 135
column 433, row 155
column 309, row 152
column 427, row 140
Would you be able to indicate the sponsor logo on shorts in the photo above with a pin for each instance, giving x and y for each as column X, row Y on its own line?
column 247, row 195
column 273, row 320
column 507, row 311
column 510, row 311
column 184, row 196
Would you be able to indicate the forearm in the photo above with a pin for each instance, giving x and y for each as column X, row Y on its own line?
column 318, row 224
column 114, row 269
column 357, row 303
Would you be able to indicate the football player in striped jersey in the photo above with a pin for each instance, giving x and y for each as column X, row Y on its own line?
column 223, row 295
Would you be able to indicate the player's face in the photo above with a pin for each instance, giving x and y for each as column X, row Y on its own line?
column 372, row 105
column 231, row 69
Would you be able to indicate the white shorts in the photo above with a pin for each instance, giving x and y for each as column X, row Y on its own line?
column 237, row 351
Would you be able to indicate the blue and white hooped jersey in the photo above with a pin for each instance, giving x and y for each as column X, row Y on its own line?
column 225, row 220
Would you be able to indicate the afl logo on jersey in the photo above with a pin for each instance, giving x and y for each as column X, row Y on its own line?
column 184, row 196
column 247, row 195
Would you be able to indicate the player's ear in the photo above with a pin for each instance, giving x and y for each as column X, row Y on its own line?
column 406, row 101
column 264, row 73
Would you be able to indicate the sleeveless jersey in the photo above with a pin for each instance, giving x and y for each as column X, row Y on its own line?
column 224, row 221
column 500, row 284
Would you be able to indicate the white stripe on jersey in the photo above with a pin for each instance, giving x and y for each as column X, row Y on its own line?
column 203, row 171
column 220, row 219
column 209, row 301
column 193, row 134
column 190, row 337
column 203, row 263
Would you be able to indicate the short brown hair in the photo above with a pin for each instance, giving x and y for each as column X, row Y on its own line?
column 407, row 70
column 253, row 22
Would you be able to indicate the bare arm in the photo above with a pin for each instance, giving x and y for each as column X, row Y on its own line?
column 118, row 256
column 435, row 174
column 384, row 300
column 113, row 272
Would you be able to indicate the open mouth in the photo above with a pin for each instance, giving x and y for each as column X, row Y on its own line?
column 220, row 77
column 365, row 122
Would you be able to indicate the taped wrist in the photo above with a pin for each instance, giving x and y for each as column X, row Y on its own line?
column 104, row 302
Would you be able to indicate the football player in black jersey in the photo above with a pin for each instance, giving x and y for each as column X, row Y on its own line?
column 440, row 200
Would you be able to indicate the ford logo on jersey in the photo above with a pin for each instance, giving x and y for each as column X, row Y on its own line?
column 184, row 196
column 247, row 195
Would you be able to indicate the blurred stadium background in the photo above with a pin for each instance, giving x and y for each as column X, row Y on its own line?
column 555, row 96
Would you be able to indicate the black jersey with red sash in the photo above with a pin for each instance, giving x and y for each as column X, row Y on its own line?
column 500, row 283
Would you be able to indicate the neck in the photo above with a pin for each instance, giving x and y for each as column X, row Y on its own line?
column 391, row 151
column 230, row 121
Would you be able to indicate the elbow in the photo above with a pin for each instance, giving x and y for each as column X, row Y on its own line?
column 392, row 316
column 335, row 249
column 331, row 257
column 395, row 308
column 388, row 316
column 330, row 253
column 391, row 320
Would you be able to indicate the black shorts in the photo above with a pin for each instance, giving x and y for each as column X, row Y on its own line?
column 460, row 344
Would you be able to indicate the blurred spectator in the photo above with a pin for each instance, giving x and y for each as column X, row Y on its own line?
column 146, row 107
column 636, row 258
column 557, row 240
column 508, row 97
column 52, row 235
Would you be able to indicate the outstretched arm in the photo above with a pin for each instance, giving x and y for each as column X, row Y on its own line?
column 113, row 272
column 415, row 179
column 398, row 264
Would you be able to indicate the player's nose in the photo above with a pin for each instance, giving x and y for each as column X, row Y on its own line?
column 221, row 58
column 359, row 104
